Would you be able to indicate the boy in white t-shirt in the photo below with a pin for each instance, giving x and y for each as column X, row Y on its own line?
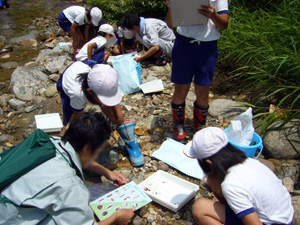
column 195, row 56
column 249, row 193
column 95, row 51
column 73, row 17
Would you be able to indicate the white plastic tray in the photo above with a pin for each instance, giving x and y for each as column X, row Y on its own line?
column 169, row 190
column 49, row 122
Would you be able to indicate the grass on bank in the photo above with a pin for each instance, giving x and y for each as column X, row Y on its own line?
column 260, row 49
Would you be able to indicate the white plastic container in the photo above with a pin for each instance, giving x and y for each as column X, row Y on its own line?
column 168, row 190
column 49, row 123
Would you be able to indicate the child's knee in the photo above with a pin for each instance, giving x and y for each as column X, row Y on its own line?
column 199, row 208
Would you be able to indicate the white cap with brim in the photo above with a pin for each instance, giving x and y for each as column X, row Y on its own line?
column 106, row 28
column 96, row 15
column 206, row 143
column 103, row 80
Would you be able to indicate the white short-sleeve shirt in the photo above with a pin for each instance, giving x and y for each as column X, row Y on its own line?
column 72, row 85
column 205, row 32
column 252, row 187
column 75, row 14
column 83, row 53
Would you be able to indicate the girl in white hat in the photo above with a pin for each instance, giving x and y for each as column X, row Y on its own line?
column 248, row 192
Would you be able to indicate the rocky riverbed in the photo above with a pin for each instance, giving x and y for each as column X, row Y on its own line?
column 32, row 90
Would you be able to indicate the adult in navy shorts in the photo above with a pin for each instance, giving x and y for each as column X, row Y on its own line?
column 195, row 55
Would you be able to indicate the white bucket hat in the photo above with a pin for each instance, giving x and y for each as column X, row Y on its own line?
column 103, row 80
column 206, row 143
column 96, row 15
column 106, row 28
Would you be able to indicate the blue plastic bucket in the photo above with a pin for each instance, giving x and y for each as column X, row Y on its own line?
column 252, row 149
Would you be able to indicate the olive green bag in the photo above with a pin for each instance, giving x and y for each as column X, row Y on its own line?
column 29, row 154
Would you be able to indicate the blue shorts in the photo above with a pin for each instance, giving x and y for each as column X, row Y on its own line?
column 65, row 101
column 192, row 61
column 232, row 219
column 64, row 23
column 97, row 58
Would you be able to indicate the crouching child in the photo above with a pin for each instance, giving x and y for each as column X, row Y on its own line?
column 248, row 192
column 154, row 34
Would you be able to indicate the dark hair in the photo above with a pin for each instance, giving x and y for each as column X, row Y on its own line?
column 88, row 14
column 227, row 157
column 83, row 77
column 91, row 129
column 101, row 33
column 130, row 20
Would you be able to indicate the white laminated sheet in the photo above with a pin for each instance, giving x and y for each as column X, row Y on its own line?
column 152, row 87
column 171, row 152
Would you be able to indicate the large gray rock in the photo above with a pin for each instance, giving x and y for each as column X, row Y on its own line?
column 284, row 143
column 53, row 65
column 9, row 65
column 44, row 55
column 31, row 35
column 22, row 81
column 16, row 104
column 228, row 109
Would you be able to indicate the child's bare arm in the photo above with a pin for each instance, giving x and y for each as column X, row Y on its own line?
column 221, row 21
column 91, row 46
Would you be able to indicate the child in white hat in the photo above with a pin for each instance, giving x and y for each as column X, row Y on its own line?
column 248, row 192
column 80, row 84
column 95, row 51
column 74, row 17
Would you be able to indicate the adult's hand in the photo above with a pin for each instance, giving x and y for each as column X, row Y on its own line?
column 117, row 178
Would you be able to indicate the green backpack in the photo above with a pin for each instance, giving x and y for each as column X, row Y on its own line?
column 29, row 154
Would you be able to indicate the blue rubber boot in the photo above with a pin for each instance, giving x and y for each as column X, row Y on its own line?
column 126, row 132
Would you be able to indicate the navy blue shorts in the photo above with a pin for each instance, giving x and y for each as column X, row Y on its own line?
column 232, row 219
column 97, row 58
column 192, row 61
column 64, row 23
column 65, row 101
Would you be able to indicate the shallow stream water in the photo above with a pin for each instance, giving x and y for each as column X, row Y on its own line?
column 17, row 21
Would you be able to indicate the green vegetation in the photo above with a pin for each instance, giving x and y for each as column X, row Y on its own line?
column 260, row 49
column 115, row 10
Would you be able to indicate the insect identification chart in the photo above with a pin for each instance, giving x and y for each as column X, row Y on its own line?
column 129, row 196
